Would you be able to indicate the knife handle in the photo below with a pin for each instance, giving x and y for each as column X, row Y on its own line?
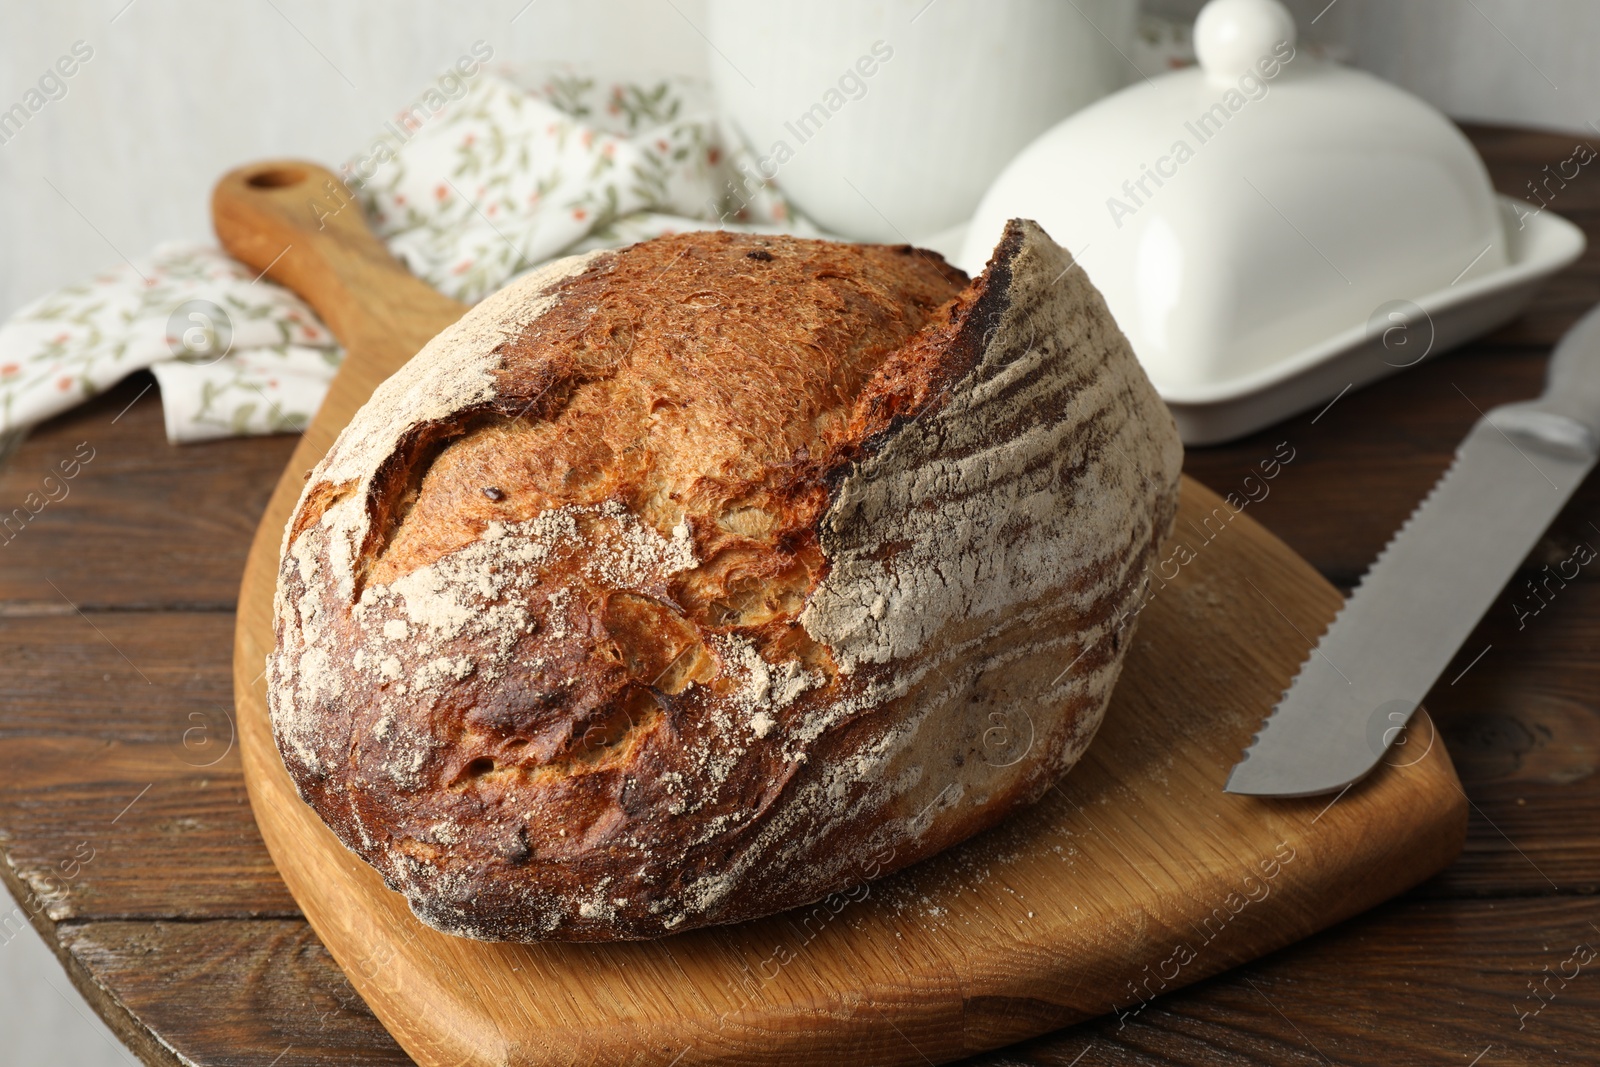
column 1545, row 426
column 1572, row 383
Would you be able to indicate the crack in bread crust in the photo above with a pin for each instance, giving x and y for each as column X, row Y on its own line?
column 681, row 584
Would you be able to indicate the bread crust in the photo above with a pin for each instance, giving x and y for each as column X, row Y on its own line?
column 691, row 582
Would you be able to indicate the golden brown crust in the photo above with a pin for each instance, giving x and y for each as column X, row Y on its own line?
column 685, row 375
column 628, row 633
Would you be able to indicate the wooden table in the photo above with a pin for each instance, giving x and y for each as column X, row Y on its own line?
column 129, row 840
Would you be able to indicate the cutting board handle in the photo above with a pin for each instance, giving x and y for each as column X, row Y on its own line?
column 302, row 227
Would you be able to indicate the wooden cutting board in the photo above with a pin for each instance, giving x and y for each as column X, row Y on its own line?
column 1137, row 874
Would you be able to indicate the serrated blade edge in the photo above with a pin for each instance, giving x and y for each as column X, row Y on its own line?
column 1408, row 616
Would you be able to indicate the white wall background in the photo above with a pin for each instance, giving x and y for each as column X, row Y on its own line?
column 1528, row 62
column 179, row 91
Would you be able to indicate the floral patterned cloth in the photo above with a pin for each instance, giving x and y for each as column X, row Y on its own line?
column 264, row 371
column 506, row 177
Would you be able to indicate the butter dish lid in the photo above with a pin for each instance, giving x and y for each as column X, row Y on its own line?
column 1242, row 211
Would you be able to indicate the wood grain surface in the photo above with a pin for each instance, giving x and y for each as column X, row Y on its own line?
column 177, row 926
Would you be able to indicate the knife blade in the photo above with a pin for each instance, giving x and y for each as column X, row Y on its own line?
column 1432, row 584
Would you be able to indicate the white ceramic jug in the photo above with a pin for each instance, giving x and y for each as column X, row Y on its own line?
column 886, row 120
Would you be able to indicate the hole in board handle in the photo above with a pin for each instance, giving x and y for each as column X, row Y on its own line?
column 276, row 178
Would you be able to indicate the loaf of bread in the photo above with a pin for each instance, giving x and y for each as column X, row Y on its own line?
column 694, row 581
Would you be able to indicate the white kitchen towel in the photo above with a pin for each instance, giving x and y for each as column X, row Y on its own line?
column 493, row 183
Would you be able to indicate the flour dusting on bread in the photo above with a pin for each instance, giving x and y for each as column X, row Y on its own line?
column 682, row 584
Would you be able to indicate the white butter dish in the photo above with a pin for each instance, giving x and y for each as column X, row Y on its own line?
column 1270, row 229
column 1400, row 334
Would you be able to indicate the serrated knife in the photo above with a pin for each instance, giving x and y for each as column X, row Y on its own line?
column 1429, row 588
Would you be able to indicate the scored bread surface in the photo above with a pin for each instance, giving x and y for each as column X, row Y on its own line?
column 689, row 582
